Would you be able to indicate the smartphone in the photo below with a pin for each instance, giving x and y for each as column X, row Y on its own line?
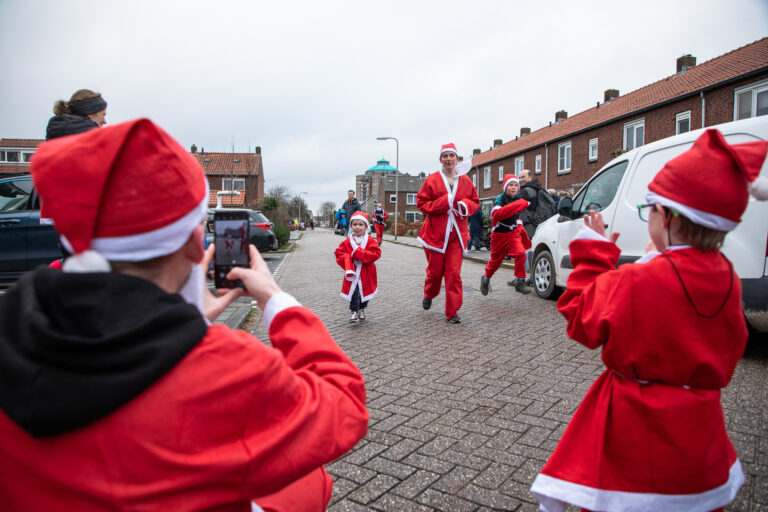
column 231, row 235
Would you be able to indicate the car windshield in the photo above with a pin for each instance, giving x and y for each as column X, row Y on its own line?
column 599, row 193
column 14, row 195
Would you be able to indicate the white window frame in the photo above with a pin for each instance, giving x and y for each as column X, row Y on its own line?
column 392, row 198
column 682, row 116
column 592, row 146
column 410, row 199
column 537, row 165
column 564, row 157
column 474, row 180
column 415, row 216
column 26, row 156
column 755, row 89
column 519, row 165
column 233, row 182
column 634, row 126
column 501, row 173
column 487, row 177
column 13, row 151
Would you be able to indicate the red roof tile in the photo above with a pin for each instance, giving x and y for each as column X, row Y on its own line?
column 239, row 164
column 226, row 200
column 20, row 143
column 743, row 60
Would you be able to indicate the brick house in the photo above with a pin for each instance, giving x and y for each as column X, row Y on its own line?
column 15, row 155
column 241, row 174
column 565, row 154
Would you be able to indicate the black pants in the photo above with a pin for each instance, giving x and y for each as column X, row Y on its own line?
column 355, row 304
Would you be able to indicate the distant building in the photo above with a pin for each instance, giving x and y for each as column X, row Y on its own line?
column 565, row 154
column 15, row 155
column 377, row 184
column 240, row 174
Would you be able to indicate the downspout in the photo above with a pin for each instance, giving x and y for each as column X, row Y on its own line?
column 703, row 107
column 546, row 167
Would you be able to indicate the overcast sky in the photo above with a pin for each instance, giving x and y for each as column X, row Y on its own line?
column 315, row 82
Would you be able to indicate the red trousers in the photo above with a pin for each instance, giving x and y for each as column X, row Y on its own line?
column 445, row 265
column 379, row 231
column 310, row 493
column 506, row 243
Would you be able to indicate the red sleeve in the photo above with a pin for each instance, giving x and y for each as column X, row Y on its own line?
column 371, row 253
column 471, row 201
column 385, row 214
column 508, row 210
column 429, row 201
column 594, row 291
column 343, row 258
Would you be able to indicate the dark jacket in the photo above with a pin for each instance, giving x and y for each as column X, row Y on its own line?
column 476, row 222
column 68, row 124
column 351, row 208
column 541, row 208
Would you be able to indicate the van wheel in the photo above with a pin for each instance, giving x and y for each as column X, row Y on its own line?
column 544, row 276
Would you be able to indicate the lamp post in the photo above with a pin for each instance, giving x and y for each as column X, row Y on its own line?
column 397, row 171
column 300, row 208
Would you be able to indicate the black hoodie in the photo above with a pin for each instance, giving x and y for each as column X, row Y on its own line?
column 75, row 347
column 68, row 124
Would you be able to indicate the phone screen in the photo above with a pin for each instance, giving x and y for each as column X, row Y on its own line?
column 231, row 240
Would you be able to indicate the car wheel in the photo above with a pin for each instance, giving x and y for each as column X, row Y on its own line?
column 544, row 276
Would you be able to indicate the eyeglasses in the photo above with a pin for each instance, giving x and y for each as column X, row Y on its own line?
column 643, row 211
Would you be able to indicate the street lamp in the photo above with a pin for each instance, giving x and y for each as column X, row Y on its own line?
column 397, row 170
column 299, row 196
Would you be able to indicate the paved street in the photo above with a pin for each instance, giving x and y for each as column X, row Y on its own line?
column 464, row 416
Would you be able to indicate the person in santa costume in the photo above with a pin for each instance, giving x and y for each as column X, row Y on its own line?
column 507, row 235
column 357, row 255
column 650, row 432
column 118, row 393
column 446, row 198
column 379, row 217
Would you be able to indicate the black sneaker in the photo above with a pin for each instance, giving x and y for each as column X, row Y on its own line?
column 455, row 319
column 426, row 303
column 512, row 282
column 523, row 288
column 485, row 285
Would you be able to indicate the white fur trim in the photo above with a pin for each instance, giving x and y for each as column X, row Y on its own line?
column 86, row 261
column 277, row 303
column 356, row 216
column 463, row 210
column 463, row 167
column 510, row 180
column 554, row 494
column 708, row 220
column 759, row 188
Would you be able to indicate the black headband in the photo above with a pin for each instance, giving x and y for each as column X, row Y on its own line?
column 88, row 106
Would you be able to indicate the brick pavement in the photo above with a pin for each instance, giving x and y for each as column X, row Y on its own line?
column 464, row 416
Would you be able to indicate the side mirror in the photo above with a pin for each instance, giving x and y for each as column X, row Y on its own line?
column 565, row 207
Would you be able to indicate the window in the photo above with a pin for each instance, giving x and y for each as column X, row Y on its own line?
column 12, row 156
column 14, row 195
column 26, row 156
column 634, row 134
column 519, row 164
column 683, row 122
column 487, row 177
column 2, row 156
column 233, row 184
column 411, row 216
column 410, row 199
column 592, row 150
column 601, row 191
column 474, row 180
column 501, row 173
column 392, row 198
column 751, row 101
column 537, row 164
column 564, row 157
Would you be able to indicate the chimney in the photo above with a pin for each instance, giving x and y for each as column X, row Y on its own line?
column 193, row 149
column 685, row 63
column 525, row 131
column 257, row 150
column 560, row 116
column 202, row 151
column 497, row 143
column 610, row 94
column 476, row 151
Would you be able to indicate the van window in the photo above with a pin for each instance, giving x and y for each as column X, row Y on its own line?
column 14, row 195
column 599, row 192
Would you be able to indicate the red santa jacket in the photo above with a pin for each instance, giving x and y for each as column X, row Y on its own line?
column 446, row 208
column 357, row 260
column 650, row 433
column 380, row 212
column 232, row 421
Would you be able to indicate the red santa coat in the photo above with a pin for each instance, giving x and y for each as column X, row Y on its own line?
column 650, row 433
column 232, row 421
column 446, row 208
column 357, row 260
column 513, row 242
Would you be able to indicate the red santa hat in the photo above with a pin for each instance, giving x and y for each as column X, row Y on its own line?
column 128, row 192
column 358, row 215
column 510, row 178
column 710, row 183
column 448, row 147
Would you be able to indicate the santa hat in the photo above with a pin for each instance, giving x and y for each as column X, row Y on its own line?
column 358, row 215
column 710, row 183
column 448, row 147
column 509, row 178
column 138, row 194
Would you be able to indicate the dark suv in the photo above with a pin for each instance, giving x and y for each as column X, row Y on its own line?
column 24, row 242
column 262, row 235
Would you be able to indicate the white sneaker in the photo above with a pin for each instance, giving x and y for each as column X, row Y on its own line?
column 362, row 314
column 355, row 317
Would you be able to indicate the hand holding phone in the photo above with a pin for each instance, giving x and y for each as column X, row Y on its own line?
column 231, row 236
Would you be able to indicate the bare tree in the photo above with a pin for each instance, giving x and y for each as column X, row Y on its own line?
column 327, row 209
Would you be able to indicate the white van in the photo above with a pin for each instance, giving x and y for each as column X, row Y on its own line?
column 620, row 186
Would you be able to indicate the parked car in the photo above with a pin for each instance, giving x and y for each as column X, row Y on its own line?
column 261, row 229
column 24, row 242
column 620, row 186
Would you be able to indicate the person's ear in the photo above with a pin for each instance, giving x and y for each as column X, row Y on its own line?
column 193, row 247
column 666, row 216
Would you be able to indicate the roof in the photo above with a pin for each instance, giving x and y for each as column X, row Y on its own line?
column 226, row 200
column 382, row 166
column 20, row 143
column 749, row 58
column 239, row 164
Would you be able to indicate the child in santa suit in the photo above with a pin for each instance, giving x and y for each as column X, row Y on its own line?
column 650, row 433
column 356, row 255
column 379, row 216
column 507, row 235
column 447, row 198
